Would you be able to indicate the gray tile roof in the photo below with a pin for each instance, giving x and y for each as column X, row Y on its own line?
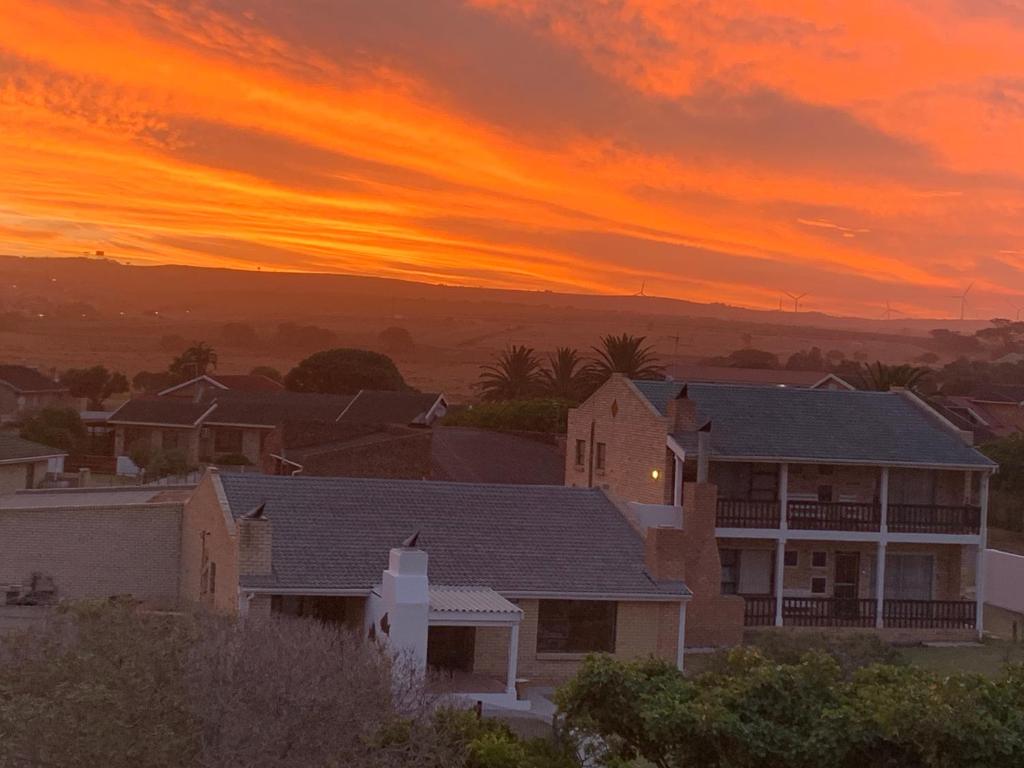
column 335, row 533
column 21, row 378
column 13, row 447
column 377, row 407
column 818, row 425
column 271, row 409
column 469, row 455
column 169, row 411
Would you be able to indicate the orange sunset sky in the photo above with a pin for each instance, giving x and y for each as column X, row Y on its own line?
column 720, row 151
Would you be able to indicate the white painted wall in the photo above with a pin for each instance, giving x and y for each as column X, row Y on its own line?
column 1004, row 580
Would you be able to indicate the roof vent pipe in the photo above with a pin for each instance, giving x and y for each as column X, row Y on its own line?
column 703, row 452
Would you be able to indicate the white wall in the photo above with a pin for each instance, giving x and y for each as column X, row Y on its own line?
column 1004, row 580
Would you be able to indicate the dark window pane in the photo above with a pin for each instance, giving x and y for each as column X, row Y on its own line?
column 227, row 441
column 576, row 626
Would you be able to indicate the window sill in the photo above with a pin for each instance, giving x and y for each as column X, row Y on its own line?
column 552, row 656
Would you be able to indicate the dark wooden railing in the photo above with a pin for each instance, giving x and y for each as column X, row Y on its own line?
column 740, row 513
column 834, row 516
column 759, row 611
column 930, row 614
column 934, row 518
column 828, row 612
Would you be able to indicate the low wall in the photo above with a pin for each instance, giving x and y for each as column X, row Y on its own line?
column 1004, row 580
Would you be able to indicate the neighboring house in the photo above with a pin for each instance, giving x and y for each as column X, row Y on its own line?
column 348, row 449
column 776, row 377
column 234, row 427
column 214, row 383
column 990, row 413
column 91, row 543
column 24, row 390
column 471, row 455
column 829, row 508
column 24, row 464
column 522, row 580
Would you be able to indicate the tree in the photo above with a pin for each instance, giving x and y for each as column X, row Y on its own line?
column 515, row 375
column 759, row 714
column 57, row 427
column 197, row 360
column 96, row 384
column 567, row 376
column 396, row 340
column 881, row 377
column 304, row 337
column 345, row 372
column 746, row 358
column 1006, row 503
column 267, row 372
column 807, row 360
column 239, row 335
column 152, row 381
column 535, row 415
column 627, row 355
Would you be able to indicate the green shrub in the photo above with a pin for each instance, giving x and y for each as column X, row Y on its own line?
column 233, row 460
column 56, row 427
column 538, row 415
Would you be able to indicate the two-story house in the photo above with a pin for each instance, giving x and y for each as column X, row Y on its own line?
column 831, row 508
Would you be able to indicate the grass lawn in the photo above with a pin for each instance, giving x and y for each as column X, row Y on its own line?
column 986, row 659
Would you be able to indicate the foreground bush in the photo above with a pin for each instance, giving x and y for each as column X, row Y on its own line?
column 539, row 415
column 757, row 713
column 110, row 686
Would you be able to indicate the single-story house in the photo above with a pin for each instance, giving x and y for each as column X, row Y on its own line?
column 24, row 464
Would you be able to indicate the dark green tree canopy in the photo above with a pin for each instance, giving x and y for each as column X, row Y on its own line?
column 344, row 372
column 628, row 355
column 567, row 376
column 57, row 427
column 96, row 384
column 515, row 375
column 881, row 377
column 268, row 372
column 197, row 360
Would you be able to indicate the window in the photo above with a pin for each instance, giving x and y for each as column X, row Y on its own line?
column 818, row 585
column 213, row 578
column 819, row 559
column 576, row 626
column 600, row 450
column 791, row 558
column 730, row 570
column 825, row 493
column 581, row 452
column 227, row 441
column 909, row 576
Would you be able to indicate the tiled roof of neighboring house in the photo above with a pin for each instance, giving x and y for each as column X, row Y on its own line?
column 235, row 382
column 171, row 412
column 999, row 393
column 335, row 533
column 812, row 425
column 721, row 374
column 327, row 458
column 274, row 408
column 972, row 416
column 377, row 407
column 468, row 455
column 21, row 378
column 113, row 496
column 14, row 448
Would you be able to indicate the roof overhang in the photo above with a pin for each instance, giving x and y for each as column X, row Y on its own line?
column 471, row 606
column 858, row 463
column 630, row 597
column 32, row 459
column 190, row 382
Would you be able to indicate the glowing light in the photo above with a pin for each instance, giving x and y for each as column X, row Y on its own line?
column 655, row 474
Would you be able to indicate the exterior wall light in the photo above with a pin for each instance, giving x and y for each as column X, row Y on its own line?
column 655, row 474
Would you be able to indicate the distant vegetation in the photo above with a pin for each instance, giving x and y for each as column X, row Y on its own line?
column 56, row 427
column 95, row 384
column 267, row 372
column 345, row 372
column 537, row 415
column 396, row 340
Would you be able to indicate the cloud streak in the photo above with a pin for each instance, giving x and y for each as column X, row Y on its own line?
column 716, row 150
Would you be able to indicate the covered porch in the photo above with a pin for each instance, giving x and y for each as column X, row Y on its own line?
column 464, row 662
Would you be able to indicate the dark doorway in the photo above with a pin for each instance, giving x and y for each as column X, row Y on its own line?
column 846, row 585
column 451, row 649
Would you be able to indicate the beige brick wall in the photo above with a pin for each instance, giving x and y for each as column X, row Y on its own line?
column 634, row 436
column 642, row 629
column 255, row 540
column 205, row 520
column 95, row 552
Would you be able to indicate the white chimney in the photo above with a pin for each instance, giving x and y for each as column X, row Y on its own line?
column 406, row 595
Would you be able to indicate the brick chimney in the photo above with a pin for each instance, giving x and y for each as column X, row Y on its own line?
column 255, row 543
column 682, row 412
column 664, row 553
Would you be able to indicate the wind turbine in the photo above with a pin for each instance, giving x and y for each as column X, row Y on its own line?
column 889, row 311
column 1016, row 309
column 796, row 299
column 963, row 300
column 643, row 287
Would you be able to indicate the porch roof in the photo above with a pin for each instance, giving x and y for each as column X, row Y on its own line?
column 466, row 602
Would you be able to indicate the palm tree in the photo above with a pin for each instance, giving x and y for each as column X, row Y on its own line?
column 194, row 361
column 514, row 376
column 881, row 377
column 627, row 355
column 567, row 376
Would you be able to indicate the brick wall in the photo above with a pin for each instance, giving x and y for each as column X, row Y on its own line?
column 640, row 631
column 95, row 552
column 634, row 435
column 208, row 533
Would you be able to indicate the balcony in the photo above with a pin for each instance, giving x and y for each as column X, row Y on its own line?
column 850, row 516
column 825, row 612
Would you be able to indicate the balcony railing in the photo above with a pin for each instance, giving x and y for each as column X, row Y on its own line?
column 850, row 516
column 856, row 612
column 934, row 518
column 740, row 513
column 834, row 516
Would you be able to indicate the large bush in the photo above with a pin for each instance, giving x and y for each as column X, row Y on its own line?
column 539, row 415
column 759, row 714
column 56, row 427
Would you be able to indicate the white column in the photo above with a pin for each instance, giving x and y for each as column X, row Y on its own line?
column 883, row 502
column 677, row 487
column 979, row 568
column 681, row 636
column 513, row 659
column 780, row 553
